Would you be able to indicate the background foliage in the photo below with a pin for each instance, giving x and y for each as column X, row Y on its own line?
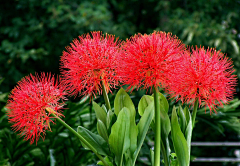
column 34, row 33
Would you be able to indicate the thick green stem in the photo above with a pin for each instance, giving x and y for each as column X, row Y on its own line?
column 105, row 95
column 77, row 135
column 157, row 141
column 194, row 113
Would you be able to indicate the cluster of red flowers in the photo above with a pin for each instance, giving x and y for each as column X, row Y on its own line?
column 150, row 59
column 28, row 102
column 90, row 61
column 206, row 75
column 155, row 60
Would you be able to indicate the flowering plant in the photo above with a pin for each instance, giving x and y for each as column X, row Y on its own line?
column 95, row 64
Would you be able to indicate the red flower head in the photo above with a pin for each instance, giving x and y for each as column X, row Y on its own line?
column 90, row 61
column 28, row 102
column 149, row 59
column 207, row 76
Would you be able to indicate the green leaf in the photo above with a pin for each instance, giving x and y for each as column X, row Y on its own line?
column 96, row 141
column 102, row 131
column 165, row 122
column 182, row 119
column 143, row 126
column 100, row 113
column 165, row 130
column 188, row 136
column 144, row 103
column 187, row 114
column 164, row 102
column 110, row 119
column 164, row 152
column 164, row 106
column 119, row 139
column 107, row 160
column 179, row 141
column 128, row 158
column 133, row 132
column 104, row 108
column 122, row 99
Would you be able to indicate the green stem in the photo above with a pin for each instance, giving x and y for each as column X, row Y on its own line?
column 157, row 141
column 194, row 113
column 77, row 135
column 105, row 96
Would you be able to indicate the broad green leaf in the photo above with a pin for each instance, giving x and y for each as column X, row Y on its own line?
column 165, row 122
column 100, row 113
column 102, row 130
column 179, row 141
column 143, row 126
column 122, row 99
column 119, row 139
column 144, row 103
column 96, row 141
column 164, row 102
column 133, row 135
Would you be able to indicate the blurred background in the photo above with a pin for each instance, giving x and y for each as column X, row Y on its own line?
column 34, row 33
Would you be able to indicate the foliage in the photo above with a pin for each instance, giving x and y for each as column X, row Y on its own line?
column 34, row 33
column 59, row 147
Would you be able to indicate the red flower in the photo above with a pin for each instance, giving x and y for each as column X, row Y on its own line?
column 207, row 76
column 150, row 59
column 89, row 61
column 27, row 105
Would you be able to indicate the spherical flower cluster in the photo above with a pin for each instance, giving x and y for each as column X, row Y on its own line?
column 91, row 62
column 28, row 102
column 150, row 59
column 207, row 75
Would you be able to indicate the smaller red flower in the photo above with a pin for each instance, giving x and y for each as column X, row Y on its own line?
column 149, row 59
column 90, row 61
column 206, row 75
column 28, row 102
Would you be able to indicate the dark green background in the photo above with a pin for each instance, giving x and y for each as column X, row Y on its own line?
column 33, row 34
